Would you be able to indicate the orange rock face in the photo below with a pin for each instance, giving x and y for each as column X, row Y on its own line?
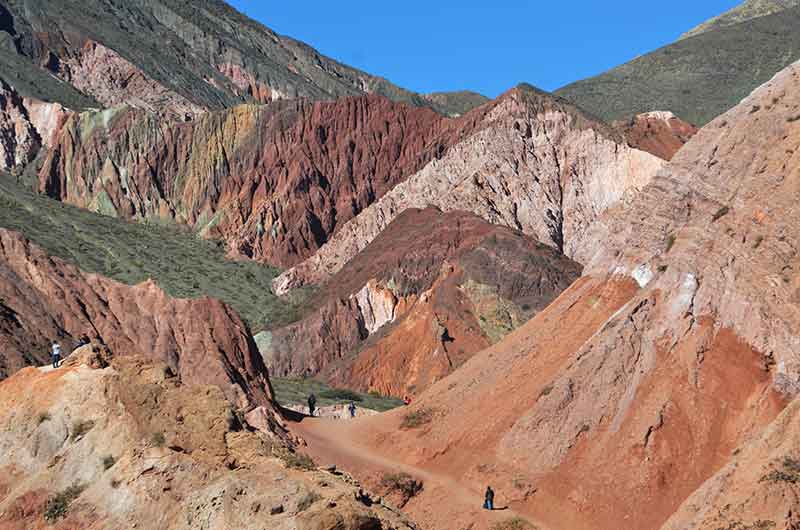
column 43, row 299
column 659, row 133
column 429, row 292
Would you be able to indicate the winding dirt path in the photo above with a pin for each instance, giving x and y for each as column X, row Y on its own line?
column 445, row 504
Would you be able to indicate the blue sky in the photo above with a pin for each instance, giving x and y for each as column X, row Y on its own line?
column 486, row 46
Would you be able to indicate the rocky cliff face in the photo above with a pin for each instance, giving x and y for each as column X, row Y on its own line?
column 274, row 181
column 429, row 292
column 674, row 352
column 659, row 133
column 43, row 299
column 123, row 443
column 535, row 164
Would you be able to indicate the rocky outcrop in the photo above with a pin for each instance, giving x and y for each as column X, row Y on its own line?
column 26, row 125
column 275, row 182
column 659, row 133
column 429, row 292
column 43, row 299
column 129, row 445
column 535, row 164
column 671, row 356
column 112, row 80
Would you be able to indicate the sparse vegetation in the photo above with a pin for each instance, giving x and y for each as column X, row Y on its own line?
column 670, row 242
column 340, row 394
column 80, row 428
column 670, row 77
column 43, row 417
column 758, row 241
column 182, row 264
column 417, row 418
column 546, row 391
column 792, row 119
column 788, row 471
column 295, row 460
column 719, row 214
column 401, row 483
column 108, row 462
column 515, row 523
column 291, row 391
column 158, row 439
column 308, row 500
column 758, row 525
column 57, row 506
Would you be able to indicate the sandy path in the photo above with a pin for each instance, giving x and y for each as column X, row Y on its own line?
column 445, row 502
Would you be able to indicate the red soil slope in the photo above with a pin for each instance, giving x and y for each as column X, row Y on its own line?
column 618, row 402
column 659, row 133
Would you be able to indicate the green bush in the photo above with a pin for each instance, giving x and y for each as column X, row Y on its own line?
column 340, row 394
column 108, row 462
column 57, row 506
column 158, row 439
column 295, row 460
column 418, row 418
column 719, row 214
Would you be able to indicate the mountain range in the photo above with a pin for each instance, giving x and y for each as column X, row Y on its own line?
column 586, row 299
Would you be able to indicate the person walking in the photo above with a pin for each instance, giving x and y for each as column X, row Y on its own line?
column 55, row 353
column 352, row 408
column 488, row 503
column 312, row 404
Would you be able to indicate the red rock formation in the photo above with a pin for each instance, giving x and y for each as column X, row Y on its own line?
column 429, row 292
column 535, row 164
column 44, row 299
column 677, row 348
column 659, row 133
column 275, row 182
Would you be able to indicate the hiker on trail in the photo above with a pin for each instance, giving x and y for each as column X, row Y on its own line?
column 488, row 503
column 56, row 354
column 312, row 403
column 352, row 408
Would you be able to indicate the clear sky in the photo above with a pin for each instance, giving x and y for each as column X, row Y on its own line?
column 487, row 46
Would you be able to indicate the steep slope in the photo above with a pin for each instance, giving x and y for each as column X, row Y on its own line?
column 182, row 264
column 172, row 57
column 534, row 163
column 697, row 78
column 44, row 299
column 659, row 133
column 275, row 182
column 747, row 10
column 123, row 443
column 430, row 291
column 757, row 489
column 678, row 345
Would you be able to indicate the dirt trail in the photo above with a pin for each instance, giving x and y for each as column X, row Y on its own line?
column 447, row 504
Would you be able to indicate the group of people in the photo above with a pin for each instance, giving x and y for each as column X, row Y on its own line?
column 312, row 406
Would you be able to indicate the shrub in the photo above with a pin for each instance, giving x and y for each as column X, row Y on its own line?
column 792, row 119
column 418, row 418
column 295, row 460
column 402, row 483
column 670, row 242
column 80, row 428
column 719, row 214
column 306, row 502
column 340, row 394
column 789, row 472
column 43, row 417
column 515, row 523
column 57, row 506
column 759, row 240
column 108, row 462
column 158, row 439
column 546, row 391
